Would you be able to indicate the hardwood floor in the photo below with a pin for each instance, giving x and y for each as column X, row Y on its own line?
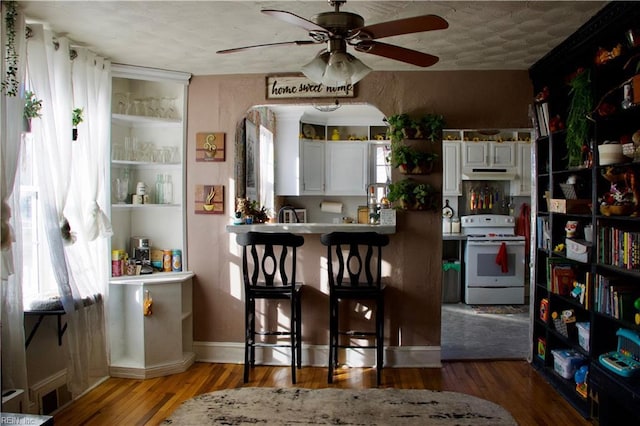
column 514, row 385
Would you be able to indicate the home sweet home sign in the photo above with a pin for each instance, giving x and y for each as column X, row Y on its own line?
column 288, row 87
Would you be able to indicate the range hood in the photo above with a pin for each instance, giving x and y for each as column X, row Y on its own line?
column 488, row 173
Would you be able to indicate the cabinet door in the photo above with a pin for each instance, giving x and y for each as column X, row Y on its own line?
column 521, row 185
column 312, row 167
column 503, row 154
column 346, row 168
column 451, row 179
column 475, row 154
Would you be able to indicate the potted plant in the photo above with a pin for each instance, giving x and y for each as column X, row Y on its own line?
column 401, row 192
column 424, row 197
column 397, row 125
column 431, row 126
column 577, row 123
column 76, row 119
column 32, row 108
column 411, row 161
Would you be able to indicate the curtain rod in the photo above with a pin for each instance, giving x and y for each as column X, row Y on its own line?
column 72, row 52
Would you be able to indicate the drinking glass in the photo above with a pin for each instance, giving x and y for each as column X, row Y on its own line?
column 121, row 189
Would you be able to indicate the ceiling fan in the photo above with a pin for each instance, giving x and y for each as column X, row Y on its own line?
column 333, row 66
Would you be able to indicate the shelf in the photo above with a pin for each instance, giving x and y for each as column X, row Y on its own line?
column 145, row 121
column 145, row 165
column 143, row 206
column 614, row 237
column 565, row 387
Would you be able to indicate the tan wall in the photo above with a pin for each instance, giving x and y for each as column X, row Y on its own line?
column 467, row 99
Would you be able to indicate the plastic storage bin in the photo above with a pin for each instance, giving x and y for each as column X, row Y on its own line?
column 583, row 334
column 451, row 281
column 566, row 362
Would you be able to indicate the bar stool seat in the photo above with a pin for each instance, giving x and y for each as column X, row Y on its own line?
column 269, row 273
column 354, row 266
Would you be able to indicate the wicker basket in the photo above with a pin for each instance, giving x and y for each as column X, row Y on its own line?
column 569, row 191
column 568, row 330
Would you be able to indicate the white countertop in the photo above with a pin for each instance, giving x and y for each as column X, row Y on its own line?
column 452, row 236
column 312, row 228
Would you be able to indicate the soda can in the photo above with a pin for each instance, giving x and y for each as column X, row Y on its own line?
column 176, row 260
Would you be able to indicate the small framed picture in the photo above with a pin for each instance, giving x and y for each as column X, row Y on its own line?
column 209, row 199
column 210, row 147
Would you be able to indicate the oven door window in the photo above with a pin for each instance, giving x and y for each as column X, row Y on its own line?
column 483, row 271
column 487, row 266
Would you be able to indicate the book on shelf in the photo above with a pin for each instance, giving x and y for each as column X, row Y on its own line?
column 542, row 118
column 544, row 233
column 618, row 247
column 616, row 297
column 560, row 276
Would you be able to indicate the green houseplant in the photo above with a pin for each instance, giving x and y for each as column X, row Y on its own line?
column 431, row 126
column 410, row 160
column 397, row 125
column 577, row 122
column 411, row 195
column 32, row 108
column 76, row 118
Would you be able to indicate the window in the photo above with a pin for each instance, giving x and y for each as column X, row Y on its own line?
column 380, row 168
column 38, row 279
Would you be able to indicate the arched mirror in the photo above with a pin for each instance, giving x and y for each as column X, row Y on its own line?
column 320, row 163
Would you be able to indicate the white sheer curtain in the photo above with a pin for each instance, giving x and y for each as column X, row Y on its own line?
column 14, row 370
column 65, row 172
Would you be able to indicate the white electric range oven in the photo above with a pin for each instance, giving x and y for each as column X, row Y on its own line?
column 494, row 260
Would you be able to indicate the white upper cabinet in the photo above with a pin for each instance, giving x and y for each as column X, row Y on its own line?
column 324, row 153
column 488, row 154
column 521, row 185
column 451, row 174
column 312, row 167
column 347, row 168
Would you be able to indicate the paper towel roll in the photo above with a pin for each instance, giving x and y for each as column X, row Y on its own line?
column 330, row 207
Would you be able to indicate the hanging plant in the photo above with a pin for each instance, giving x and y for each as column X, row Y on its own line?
column 76, row 118
column 32, row 106
column 577, row 122
column 10, row 82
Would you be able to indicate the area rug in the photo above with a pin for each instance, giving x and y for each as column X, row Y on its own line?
column 501, row 309
column 294, row 406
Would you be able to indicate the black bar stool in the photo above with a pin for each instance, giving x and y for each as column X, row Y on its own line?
column 358, row 257
column 269, row 272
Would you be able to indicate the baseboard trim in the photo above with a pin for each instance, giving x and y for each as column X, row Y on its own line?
column 316, row 355
column 142, row 373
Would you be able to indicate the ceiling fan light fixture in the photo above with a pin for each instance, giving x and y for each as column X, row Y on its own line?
column 335, row 69
column 315, row 69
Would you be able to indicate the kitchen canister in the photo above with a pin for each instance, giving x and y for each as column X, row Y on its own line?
column 167, row 260
column 176, row 260
column 455, row 225
column 446, row 225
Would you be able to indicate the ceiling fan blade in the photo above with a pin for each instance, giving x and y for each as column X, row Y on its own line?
column 294, row 19
column 257, row 46
column 416, row 24
column 396, row 52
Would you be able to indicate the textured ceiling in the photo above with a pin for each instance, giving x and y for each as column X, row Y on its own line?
column 184, row 36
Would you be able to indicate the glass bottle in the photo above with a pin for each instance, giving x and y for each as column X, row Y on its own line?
column 159, row 189
column 168, row 190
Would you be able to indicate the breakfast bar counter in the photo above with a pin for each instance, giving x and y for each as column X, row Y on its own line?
column 312, row 228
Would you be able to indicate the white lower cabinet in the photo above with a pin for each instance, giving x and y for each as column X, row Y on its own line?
column 160, row 343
